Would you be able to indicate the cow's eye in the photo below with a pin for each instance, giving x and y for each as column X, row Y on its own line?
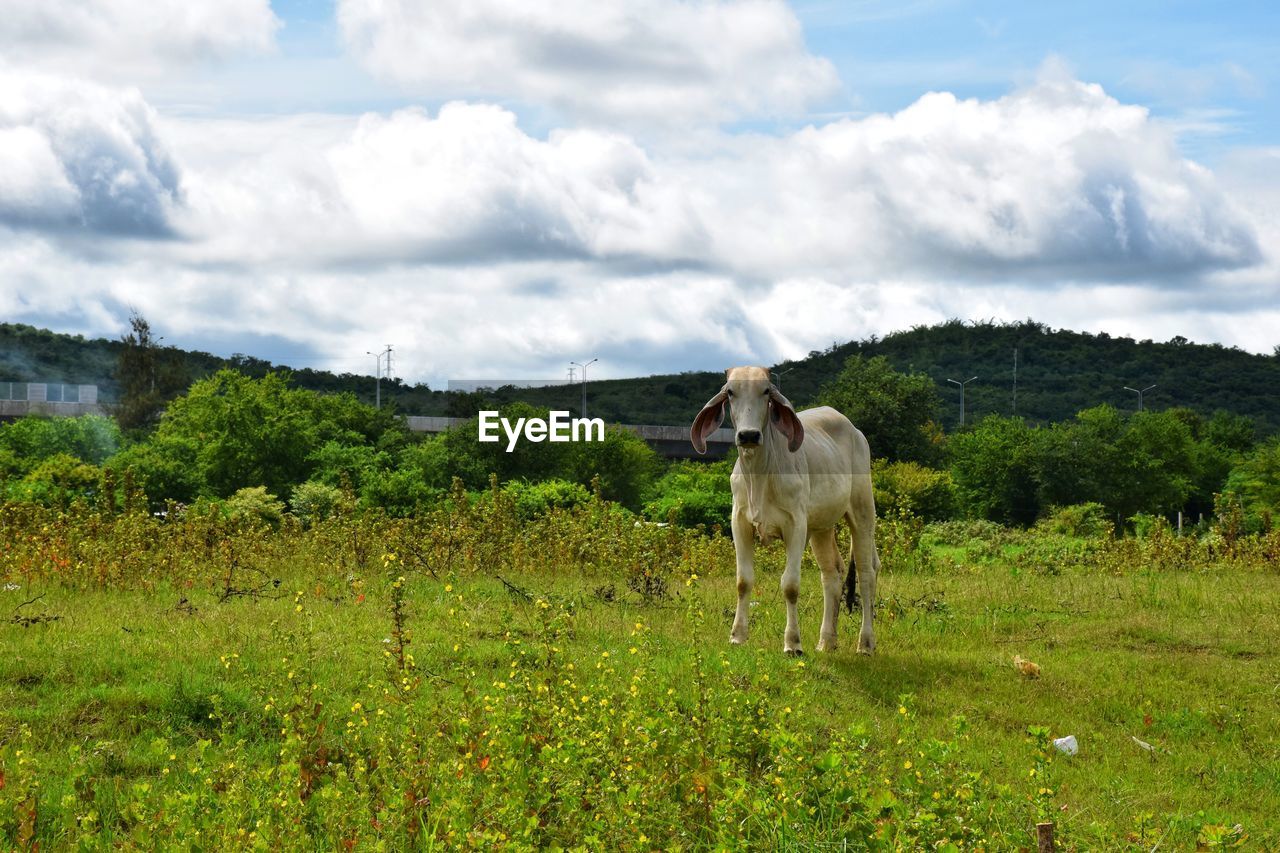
column 728, row 393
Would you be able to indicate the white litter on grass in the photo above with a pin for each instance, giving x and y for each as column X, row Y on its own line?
column 1067, row 744
column 1142, row 743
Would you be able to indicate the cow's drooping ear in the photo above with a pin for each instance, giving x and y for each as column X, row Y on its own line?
column 783, row 415
column 709, row 420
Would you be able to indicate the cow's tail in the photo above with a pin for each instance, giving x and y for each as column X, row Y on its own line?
column 851, row 585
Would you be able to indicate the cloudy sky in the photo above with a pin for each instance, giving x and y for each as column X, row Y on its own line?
column 497, row 187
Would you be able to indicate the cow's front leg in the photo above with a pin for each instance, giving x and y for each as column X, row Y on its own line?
column 744, row 543
column 795, row 539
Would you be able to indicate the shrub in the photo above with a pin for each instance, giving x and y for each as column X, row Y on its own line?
column 1255, row 484
column 56, row 481
column 624, row 463
column 89, row 438
column 910, row 487
column 338, row 463
column 531, row 500
column 10, row 464
column 164, row 468
column 313, row 501
column 963, row 532
column 255, row 503
column 1143, row 523
column 692, row 493
column 1088, row 520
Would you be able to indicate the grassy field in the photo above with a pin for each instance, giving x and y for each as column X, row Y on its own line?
column 568, row 681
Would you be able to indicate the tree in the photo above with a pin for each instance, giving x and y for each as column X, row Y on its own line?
column 261, row 432
column 1078, row 461
column 897, row 412
column 625, row 464
column 1256, row 481
column 148, row 375
column 89, row 438
column 1159, row 465
column 993, row 466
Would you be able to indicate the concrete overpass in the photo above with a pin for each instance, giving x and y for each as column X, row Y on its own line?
column 669, row 441
column 51, row 400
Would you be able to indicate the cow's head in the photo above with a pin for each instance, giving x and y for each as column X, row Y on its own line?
column 755, row 404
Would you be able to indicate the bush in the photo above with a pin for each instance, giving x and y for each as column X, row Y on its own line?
column 909, row 487
column 164, row 468
column 625, row 465
column 531, row 500
column 312, row 501
column 420, row 477
column 10, row 465
column 337, row 463
column 959, row 533
column 256, row 504
column 693, row 493
column 56, row 481
column 1255, row 484
column 1087, row 520
column 90, row 438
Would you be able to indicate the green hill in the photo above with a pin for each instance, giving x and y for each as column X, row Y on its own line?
column 1060, row 372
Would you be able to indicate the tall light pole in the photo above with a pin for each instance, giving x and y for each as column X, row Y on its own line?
column 777, row 377
column 377, row 382
column 1139, row 393
column 962, row 384
column 584, row 381
column 1015, row 380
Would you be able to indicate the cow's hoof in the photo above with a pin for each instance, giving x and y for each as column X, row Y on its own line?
column 735, row 640
column 827, row 644
column 866, row 644
column 795, row 653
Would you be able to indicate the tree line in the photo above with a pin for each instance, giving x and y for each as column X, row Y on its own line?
column 231, row 432
column 1059, row 373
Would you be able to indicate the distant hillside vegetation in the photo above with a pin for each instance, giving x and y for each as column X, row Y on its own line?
column 1059, row 373
column 28, row 354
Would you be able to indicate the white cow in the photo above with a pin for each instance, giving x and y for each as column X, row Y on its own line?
column 796, row 477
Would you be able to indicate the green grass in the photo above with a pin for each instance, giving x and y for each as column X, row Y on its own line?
column 519, row 710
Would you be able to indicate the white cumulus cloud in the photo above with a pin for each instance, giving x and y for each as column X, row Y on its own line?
column 82, row 157
column 629, row 61
column 121, row 39
column 1054, row 179
column 483, row 249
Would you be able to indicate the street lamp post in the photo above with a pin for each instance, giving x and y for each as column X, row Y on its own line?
column 583, row 367
column 377, row 379
column 1139, row 393
column 962, row 384
column 777, row 377
column 377, row 382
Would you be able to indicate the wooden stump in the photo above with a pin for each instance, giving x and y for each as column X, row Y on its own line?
column 1044, row 837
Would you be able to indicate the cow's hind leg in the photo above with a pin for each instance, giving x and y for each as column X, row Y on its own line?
column 827, row 554
column 868, row 563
